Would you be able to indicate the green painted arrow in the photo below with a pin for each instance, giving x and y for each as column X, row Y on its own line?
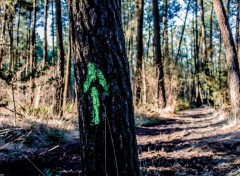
column 92, row 75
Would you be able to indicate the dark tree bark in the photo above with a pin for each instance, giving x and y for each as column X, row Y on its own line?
column 18, row 26
column 231, row 55
column 32, row 62
column 203, row 40
column 3, row 32
column 45, row 44
column 67, row 74
column 158, row 55
column 139, row 48
column 60, row 64
column 10, row 32
column 211, row 37
column 105, row 104
column 53, row 43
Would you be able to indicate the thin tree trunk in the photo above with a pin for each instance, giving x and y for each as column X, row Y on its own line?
column 28, row 44
column 105, row 104
column 10, row 31
column 60, row 53
column 53, row 43
column 139, row 48
column 165, row 32
column 231, row 55
column 67, row 74
column 158, row 56
column 211, row 39
column 33, row 52
column 3, row 33
column 196, row 58
column 182, row 33
column 45, row 43
column 203, row 39
column 18, row 26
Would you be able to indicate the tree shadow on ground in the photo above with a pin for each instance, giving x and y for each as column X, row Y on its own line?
column 29, row 152
column 224, row 151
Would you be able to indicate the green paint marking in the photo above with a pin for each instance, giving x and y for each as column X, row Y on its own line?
column 96, row 105
column 92, row 75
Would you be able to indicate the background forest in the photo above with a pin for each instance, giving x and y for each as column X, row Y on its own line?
column 176, row 55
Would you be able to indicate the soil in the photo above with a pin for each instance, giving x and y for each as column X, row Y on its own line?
column 193, row 142
column 196, row 142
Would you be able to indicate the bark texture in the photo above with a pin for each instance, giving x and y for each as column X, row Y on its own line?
column 45, row 44
column 158, row 55
column 231, row 55
column 139, row 48
column 108, row 145
column 60, row 64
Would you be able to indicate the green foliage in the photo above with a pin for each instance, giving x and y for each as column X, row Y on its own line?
column 69, row 107
column 183, row 104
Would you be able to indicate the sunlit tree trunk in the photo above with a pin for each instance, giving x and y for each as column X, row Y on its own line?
column 196, row 59
column 231, row 55
column 211, row 39
column 237, row 31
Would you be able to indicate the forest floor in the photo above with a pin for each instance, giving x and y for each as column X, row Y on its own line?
column 191, row 142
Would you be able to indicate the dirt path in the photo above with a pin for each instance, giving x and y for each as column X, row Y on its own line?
column 196, row 142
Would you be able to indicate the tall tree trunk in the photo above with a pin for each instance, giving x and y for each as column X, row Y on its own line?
column 211, row 39
column 203, row 39
column 231, row 55
column 196, row 58
column 165, row 51
column 53, row 43
column 32, row 51
column 45, row 43
column 165, row 32
column 60, row 64
column 105, row 104
column 237, row 31
column 182, row 33
column 10, row 31
column 18, row 26
column 3, row 33
column 228, row 8
column 68, row 71
column 158, row 56
column 139, row 48
column 28, row 44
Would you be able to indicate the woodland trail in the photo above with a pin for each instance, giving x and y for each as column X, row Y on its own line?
column 195, row 142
